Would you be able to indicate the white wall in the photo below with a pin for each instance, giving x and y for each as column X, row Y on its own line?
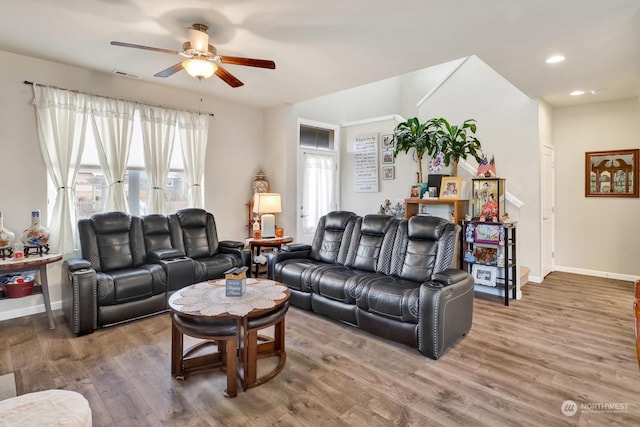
column 508, row 128
column 595, row 235
column 233, row 156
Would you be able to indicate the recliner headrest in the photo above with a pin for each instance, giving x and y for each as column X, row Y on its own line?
column 376, row 224
column 111, row 222
column 192, row 217
column 155, row 224
column 337, row 220
column 426, row 227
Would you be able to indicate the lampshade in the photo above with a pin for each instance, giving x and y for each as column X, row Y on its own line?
column 267, row 203
column 199, row 68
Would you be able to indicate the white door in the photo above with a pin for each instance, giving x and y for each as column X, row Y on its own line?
column 548, row 209
column 317, row 176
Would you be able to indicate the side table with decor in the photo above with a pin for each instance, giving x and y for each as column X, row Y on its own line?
column 12, row 266
column 256, row 246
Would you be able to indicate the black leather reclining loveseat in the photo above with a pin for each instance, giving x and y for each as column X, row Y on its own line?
column 130, row 265
column 386, row 276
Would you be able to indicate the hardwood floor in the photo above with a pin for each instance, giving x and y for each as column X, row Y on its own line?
column 569, row 338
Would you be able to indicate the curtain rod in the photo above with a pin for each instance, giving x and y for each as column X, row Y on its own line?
column 27, row 82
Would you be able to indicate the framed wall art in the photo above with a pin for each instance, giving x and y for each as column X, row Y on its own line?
column 611, row 173
column 388, row 172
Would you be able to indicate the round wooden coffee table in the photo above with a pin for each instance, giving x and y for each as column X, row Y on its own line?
column 232, row 323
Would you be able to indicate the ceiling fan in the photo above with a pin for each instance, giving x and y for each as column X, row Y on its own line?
column 202, row 59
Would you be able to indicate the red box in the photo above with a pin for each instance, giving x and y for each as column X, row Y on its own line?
column 18, row 290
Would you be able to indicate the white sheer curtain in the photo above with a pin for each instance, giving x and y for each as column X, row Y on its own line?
column 113, row 128
column 193, row 129
column 61, row 117
column 158, row 131
column 319, row 188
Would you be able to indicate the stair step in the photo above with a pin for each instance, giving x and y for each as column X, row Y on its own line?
column 524, row 275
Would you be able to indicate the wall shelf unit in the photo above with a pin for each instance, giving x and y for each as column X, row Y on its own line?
column 458, row 207
column 489, row 255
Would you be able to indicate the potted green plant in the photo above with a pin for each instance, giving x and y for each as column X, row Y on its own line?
column 455, row 142
column 417, row 137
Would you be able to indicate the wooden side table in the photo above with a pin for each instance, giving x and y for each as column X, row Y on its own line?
column 34, row 262
column 256, row 246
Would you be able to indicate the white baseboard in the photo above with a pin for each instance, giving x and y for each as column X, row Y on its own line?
column 596, row 273
column 29, row 310
column 536, row 279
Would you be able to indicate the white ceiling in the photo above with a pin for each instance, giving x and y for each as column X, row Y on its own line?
column 324, row 46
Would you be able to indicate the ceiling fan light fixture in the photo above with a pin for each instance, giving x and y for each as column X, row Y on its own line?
column 199, row 68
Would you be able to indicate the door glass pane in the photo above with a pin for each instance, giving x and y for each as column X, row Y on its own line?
column 319, row 188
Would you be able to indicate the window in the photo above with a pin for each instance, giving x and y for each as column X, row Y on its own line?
column 318, row 138
column 91, row 186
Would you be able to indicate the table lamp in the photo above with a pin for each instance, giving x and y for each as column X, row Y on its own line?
column 267, row 204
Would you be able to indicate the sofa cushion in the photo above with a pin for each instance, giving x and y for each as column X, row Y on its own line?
column 390, row 297
column 215, row 266
column 157, row 235
column 339, row 283
column 124, row 285
column 367, row 242
column 331, row 240
column 291, row 272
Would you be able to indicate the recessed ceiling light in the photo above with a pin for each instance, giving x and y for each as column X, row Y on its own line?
column 554, row 59
column 577, row 93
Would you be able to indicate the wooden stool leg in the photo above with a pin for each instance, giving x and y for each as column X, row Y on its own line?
column 250, row 359
column 231, row 365
column 176, row 352
column 278, row 336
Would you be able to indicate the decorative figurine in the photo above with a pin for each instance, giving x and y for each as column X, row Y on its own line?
column 505, row 218
column 468, row 257
column 469, row 232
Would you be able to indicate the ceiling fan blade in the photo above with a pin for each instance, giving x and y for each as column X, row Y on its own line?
column 137, row 46
column 169, row 71
column 260, row 63
column 228, row 77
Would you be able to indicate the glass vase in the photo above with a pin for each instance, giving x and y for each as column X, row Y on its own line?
column 7, row 237
column 36, row 235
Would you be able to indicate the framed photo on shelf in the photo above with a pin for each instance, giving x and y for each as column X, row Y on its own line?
column 451, row 187
column 418, row 190
column 388, row 172
column 487, row 233
column 484, row 274
column 485, row 255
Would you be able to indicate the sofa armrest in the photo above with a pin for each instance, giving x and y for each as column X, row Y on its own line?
column 450, row 276
column 446, row 311
column 231, row 244
column 275, row 257
column 164, row 254
column 80, row 296
column 77, row 264
column 296, row 247
column 237, row 248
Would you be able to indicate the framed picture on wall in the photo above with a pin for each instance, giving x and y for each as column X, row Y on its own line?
column 388, row 172
column 387, row 156
column 387, row 141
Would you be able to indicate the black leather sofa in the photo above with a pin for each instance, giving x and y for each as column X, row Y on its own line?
column 390, row 277
column 130, row 265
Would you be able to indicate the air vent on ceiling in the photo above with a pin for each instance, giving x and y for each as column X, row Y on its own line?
column 125, row 74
